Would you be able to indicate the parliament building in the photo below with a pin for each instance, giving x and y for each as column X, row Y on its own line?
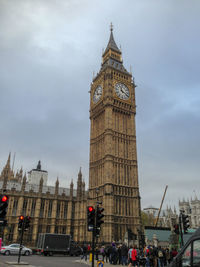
column 113, row 169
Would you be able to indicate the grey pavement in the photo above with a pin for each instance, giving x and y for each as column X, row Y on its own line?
column 41, row 261
column 88, row 263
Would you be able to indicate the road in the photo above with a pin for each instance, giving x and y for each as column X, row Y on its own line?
column 41, row 261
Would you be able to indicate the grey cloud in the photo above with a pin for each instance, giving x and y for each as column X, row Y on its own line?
column 48, row 52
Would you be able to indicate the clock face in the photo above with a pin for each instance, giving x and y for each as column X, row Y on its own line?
column 97, row 94
column 122, row 91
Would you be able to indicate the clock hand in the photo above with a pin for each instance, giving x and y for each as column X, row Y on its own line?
column 126, row 94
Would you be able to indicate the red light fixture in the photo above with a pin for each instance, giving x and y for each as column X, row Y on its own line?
column 4, row 199
column 90, row 209
column 21, row 217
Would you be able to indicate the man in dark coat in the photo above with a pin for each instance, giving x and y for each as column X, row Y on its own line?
column 84, row 252
column 124, row 254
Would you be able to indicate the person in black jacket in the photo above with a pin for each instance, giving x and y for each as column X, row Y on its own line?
column 107, row 253
column 119, row 254
column 114, row 255
column 84, row 249
column 124, row 254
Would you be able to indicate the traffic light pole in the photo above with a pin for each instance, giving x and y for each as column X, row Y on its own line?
column 20, row 248
column 93, row 244
column 97, row 206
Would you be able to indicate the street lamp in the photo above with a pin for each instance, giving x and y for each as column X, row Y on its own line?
column 97, row 192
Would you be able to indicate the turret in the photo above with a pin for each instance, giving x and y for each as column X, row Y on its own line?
column 41, row 185
column 83, row 188
column 39, row 166
column 24, row 183
column 79, row 184
column 71, row 189
column 56, row 186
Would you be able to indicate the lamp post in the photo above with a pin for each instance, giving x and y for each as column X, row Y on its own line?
column 97, row 193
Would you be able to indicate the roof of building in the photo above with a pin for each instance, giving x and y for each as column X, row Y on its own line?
column 150, row 207
column 35, row 188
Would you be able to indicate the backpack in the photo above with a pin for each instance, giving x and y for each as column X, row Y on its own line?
column 160, row 254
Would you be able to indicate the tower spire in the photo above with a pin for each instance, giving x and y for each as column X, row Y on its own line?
column 8, row 161
column 111, row 43
column 111, row 27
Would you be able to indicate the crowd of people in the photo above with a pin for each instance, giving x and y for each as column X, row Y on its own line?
column 149, row 256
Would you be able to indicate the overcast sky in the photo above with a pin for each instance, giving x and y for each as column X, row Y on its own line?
column 48, row 52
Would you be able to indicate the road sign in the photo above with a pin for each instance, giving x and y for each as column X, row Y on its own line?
column 100, row 263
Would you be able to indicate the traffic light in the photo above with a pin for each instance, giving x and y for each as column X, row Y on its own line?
column 176, row 229
column 91, row 218
column 3, row 209
column 99, row 216
column 27, row 223
column 186, row 223
column 21, row 222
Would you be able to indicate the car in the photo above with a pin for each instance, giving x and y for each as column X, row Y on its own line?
column 14, row 249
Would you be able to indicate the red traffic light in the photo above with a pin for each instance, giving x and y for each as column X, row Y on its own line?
column 90, row 209
column 21, row 217
column 4, row 198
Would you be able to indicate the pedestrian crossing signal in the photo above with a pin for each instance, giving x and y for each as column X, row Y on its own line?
column 91, row 218
column 99, row 220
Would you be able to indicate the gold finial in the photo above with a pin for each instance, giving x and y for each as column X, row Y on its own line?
column 111, row 27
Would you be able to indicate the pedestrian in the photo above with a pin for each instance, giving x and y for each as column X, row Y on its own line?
column 97, row 253
column 167, row 256
column 151, row 255
column 173, row 253
column 160, row 257
column 142, row 258
column 129, row 256
column 155, row 256
column 134, row 257
column 102, row 252
column 119, row 254
column 107, row 253
column 110, row 254
column 146, row 253
column 84, row 251
column 89, row 248
column 114, row 255
column 124, row 254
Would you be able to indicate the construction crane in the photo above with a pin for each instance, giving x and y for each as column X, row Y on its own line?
column 161, row 206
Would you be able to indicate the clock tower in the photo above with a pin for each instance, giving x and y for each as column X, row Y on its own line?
column 113, row 171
